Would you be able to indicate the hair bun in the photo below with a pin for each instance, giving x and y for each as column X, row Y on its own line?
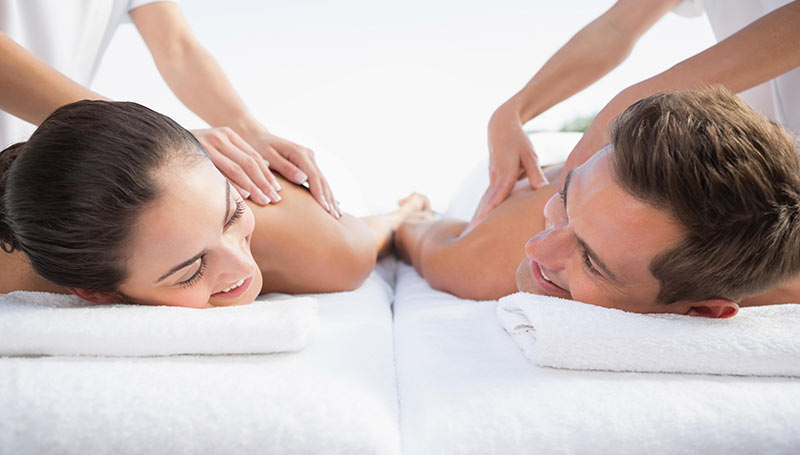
column 8, row 241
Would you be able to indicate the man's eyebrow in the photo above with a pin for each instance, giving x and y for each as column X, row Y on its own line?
column 593, row 256
column 566, row 187
column 194, row 258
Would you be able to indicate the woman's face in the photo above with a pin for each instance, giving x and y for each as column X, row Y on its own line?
column 191, row 246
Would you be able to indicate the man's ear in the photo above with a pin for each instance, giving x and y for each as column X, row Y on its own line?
column 714, row 308
column 98, row 297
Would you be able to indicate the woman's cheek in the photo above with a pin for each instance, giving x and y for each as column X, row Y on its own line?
column 193, row 298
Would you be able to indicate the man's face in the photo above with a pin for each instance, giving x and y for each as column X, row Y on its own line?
column 598, row 244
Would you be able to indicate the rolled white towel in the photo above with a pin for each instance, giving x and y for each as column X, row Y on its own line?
column 553, row 332
column 38, row 323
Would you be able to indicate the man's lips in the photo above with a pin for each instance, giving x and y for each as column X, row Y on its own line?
column 543, row 283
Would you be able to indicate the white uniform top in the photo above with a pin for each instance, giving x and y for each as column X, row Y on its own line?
column 69, row 35
column 779, row 98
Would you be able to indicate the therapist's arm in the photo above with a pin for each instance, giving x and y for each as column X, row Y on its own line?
column 759, row 52
column 30, row 88
column 594, row 51
column 240, row 146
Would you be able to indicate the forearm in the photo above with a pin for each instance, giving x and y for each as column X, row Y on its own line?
column 190, row 71
column 594, row 51
column 761, row 51
column 29, row 88
column 199, row 82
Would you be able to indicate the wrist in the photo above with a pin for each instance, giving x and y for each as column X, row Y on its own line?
column 249, row 129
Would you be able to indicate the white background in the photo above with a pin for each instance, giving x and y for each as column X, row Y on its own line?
column 393, row 96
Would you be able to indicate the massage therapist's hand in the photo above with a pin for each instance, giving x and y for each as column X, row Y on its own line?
column 511, row 155
column 242, row 164
column 297, row 164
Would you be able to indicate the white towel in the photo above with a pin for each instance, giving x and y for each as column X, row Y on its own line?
column 759, row 341
column 39, row 323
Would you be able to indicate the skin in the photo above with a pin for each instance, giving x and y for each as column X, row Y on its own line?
column 239, row 145
column 490, row 262
column 763, row 50
column 295, row 247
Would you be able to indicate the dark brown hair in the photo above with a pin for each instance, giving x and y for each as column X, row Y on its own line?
column 729, row 176
column 70, row 196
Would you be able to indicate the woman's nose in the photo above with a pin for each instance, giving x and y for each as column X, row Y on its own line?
column 237, row 258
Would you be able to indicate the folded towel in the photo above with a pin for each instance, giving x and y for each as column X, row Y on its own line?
column 39, row 323
column 759, row 341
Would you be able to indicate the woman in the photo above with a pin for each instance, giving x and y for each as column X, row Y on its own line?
column 114, row 202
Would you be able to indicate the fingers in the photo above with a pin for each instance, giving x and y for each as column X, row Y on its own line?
column 302, row 165
column 237, row 141
column 536, row 177
column 240, row 163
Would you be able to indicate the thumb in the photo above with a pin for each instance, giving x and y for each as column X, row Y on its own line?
column 536, row 177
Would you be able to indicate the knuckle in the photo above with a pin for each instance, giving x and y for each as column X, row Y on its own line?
column 249, row 164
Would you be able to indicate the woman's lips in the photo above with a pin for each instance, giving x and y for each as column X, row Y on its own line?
column 543, row 283
column 234, row 292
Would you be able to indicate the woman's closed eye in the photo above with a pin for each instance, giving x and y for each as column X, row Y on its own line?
column 237, row 214
column 197, row 275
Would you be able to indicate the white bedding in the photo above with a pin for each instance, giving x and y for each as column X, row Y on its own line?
column 466, row 388
column 336, row 396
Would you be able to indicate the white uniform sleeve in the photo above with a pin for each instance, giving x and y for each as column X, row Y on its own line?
column 689, row 8
column 133, row 4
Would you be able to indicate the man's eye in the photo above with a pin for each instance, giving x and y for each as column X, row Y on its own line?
column 588, row 263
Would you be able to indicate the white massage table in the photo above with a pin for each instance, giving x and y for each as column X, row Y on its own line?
column 466, row 388
column 337, row 396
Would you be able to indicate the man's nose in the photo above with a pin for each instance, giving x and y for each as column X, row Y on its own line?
column 550, row 247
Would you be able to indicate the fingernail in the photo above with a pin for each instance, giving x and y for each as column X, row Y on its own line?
column 245, row 194
column 300, row 177
column 325, row 204
column 277, row 185
column 261, row 199
column 274, row 196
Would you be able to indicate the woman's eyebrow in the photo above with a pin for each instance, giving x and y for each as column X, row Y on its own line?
column 194, row 258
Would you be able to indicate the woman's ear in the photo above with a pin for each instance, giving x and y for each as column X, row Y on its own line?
column 98, row 297
column 714, row 308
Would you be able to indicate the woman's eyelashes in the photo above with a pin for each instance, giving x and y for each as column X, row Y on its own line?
column 197, row 275
column 237, row 215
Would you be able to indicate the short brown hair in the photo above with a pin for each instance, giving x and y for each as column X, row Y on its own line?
column 729, row 176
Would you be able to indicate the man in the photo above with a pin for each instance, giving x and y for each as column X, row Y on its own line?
column 692, row 208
